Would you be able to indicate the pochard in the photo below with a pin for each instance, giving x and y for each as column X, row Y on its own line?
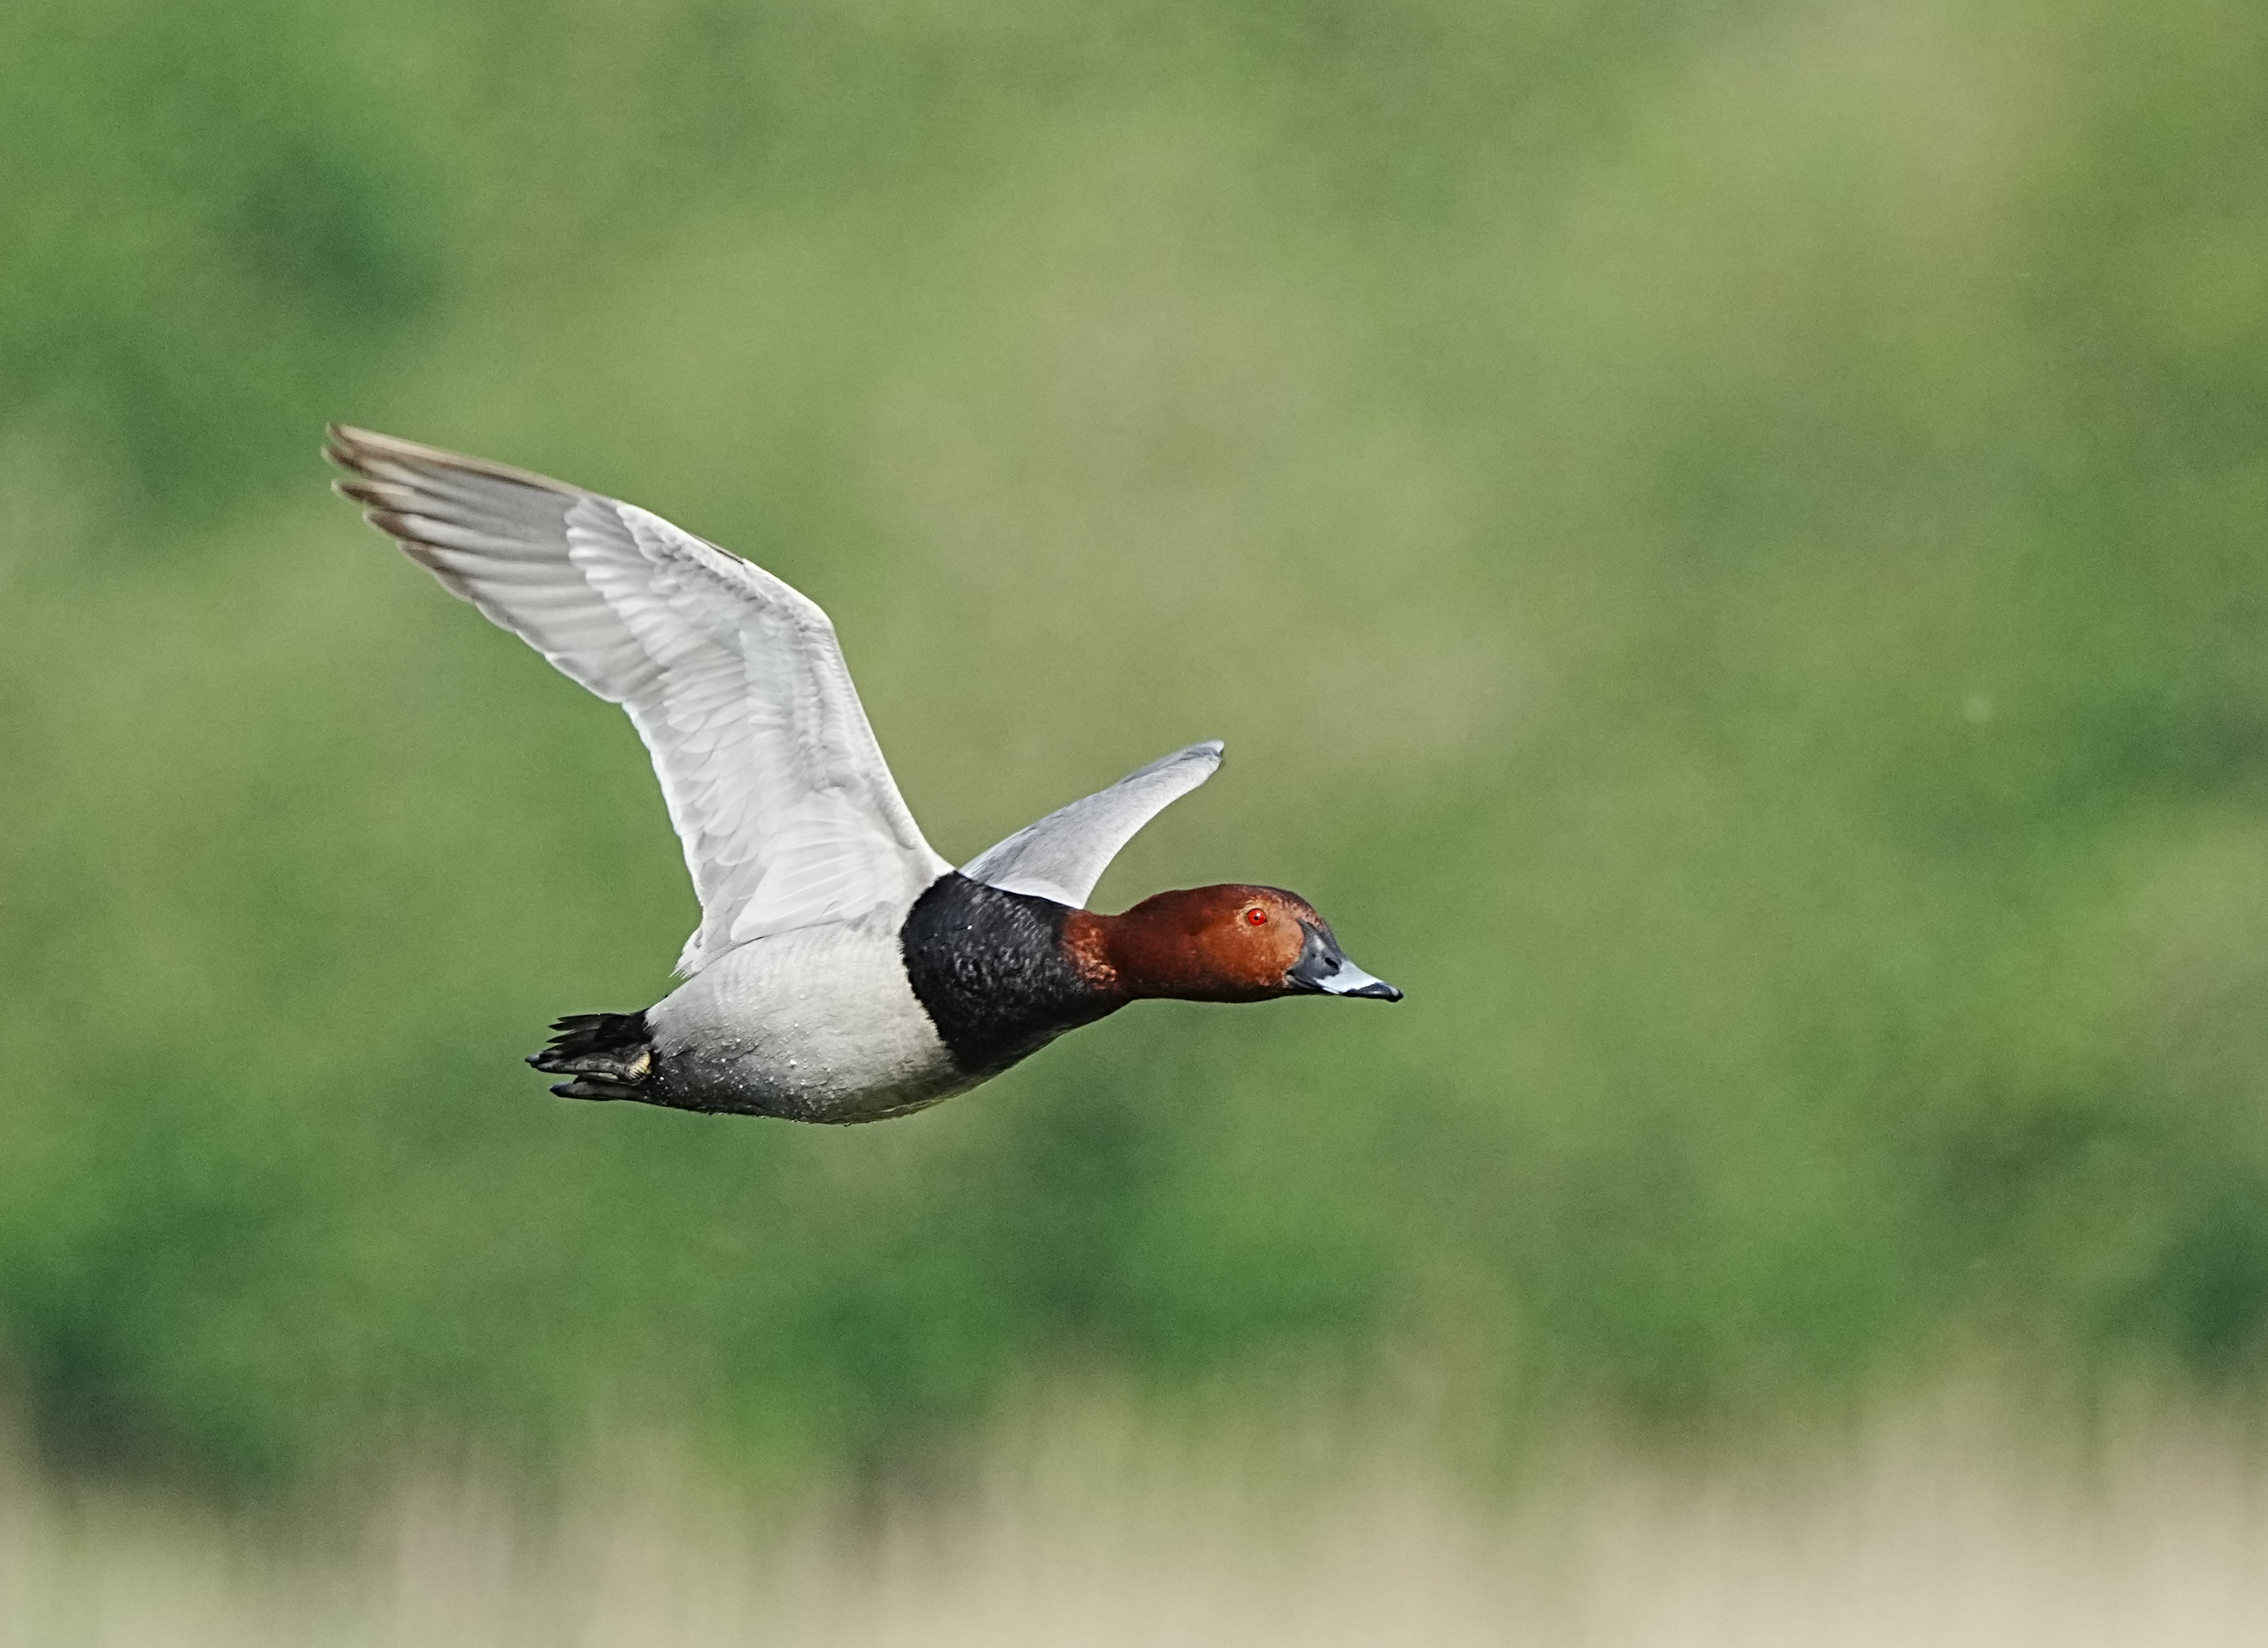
column 842, row 971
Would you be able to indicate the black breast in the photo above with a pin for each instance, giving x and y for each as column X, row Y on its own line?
column 989, row 969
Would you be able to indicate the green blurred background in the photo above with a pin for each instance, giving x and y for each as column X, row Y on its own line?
column 1725, row 541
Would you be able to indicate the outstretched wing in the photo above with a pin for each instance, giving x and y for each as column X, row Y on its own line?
column 1064, row 855
column 787, row 810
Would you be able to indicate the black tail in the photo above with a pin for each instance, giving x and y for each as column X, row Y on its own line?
column 609, row 1056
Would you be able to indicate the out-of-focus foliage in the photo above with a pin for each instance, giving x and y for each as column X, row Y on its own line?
column 1726, row 542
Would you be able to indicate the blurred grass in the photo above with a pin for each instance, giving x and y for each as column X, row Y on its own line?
column 1723, row 539
column 1931, row 1526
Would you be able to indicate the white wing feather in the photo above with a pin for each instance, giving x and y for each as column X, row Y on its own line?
column 1064, row 855
column 786, row 809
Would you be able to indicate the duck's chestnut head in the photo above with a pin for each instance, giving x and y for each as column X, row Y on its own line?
column 1231, row 943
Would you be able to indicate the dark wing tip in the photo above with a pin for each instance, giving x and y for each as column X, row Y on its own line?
column 362, row 450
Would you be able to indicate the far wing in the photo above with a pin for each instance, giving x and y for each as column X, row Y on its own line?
column 778, row 791
column 1064, row 855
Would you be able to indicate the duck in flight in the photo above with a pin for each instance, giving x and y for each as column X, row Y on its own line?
column 843, row 971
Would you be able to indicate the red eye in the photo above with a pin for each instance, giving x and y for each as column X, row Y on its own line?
column 1258, row 917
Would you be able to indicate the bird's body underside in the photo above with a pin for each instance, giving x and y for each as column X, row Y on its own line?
column 848, row 1021
column 819, row 1025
